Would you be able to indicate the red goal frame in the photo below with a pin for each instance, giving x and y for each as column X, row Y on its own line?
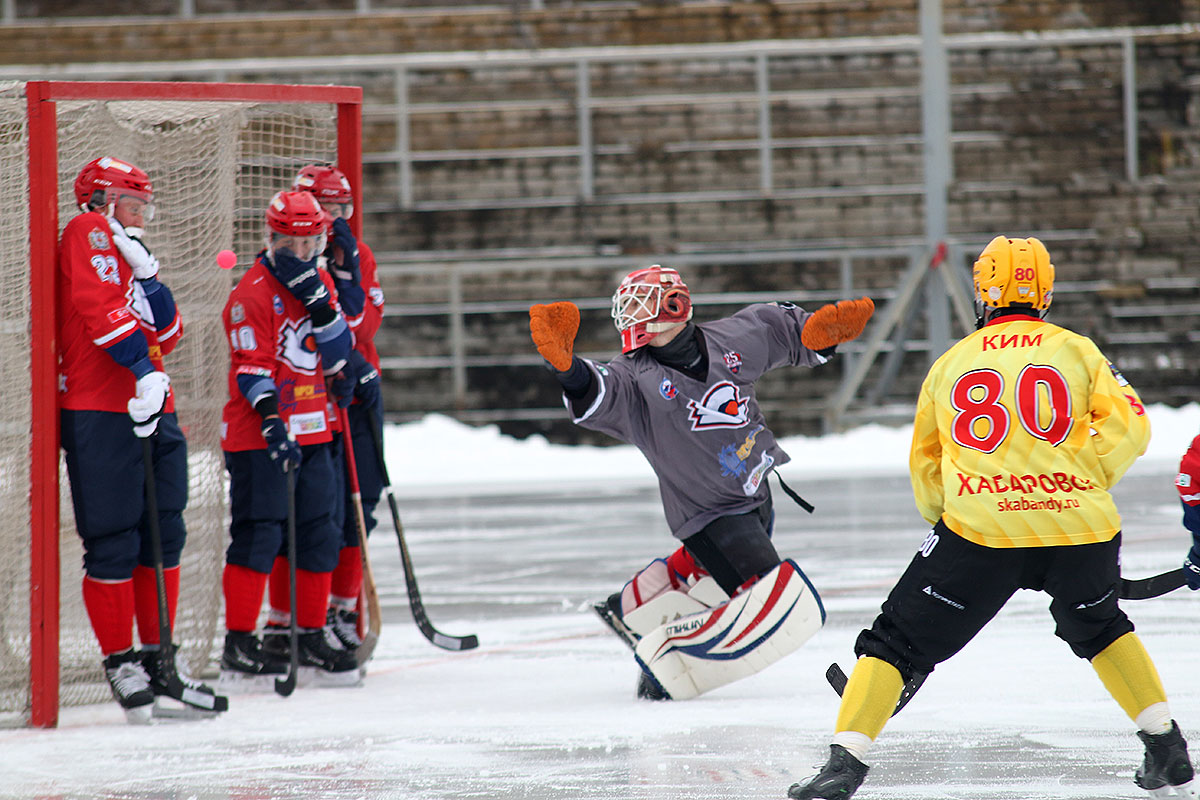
column 41, row 99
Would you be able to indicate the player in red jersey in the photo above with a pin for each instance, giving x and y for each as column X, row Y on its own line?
column 116, row 321
column 355, row 276
column 1188, row 483
column 286, row 336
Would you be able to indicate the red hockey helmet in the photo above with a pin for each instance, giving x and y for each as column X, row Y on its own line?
column 103, row 181
column 327, row 184
column 298, row 216
column 647, row 302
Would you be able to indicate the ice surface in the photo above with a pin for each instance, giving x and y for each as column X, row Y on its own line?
column 513, row 540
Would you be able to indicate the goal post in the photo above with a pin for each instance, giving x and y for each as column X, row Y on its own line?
column 216, row 153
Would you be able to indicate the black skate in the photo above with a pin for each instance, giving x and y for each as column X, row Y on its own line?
column 187, row 699
column 277, row 642
column 609, row 611
column 839, row 779
column 246, row 666
column 130, row 686
column 323, row 662
column 650, row 689
column 1167, row 770
column 344, row 624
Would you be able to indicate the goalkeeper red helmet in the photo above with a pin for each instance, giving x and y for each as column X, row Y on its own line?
column 296, row 214
column 112, row 178
column 648, row 302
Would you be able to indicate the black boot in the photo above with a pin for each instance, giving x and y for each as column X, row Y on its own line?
column 244, row 654
column 130, row 685
column 1167, row 761
column 344, row 624
column 839, row 779
column 609, row 612
column 320, row 648
column 650, row 689
column 158, row 681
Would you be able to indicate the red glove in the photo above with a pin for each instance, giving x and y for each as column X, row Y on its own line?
column 831, row 325
column 553, row 328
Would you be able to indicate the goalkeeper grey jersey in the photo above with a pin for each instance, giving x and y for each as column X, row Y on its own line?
column 706, row 439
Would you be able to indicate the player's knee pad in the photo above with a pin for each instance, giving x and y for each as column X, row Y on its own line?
column 759, row 626
column 255, row 543
column 172, row 535
column 111, row 557
column 1089, row 626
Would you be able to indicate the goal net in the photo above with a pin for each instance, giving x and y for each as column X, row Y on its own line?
column 215, row 153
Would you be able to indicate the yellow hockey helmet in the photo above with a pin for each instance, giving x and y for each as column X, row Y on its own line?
column 1014, row 272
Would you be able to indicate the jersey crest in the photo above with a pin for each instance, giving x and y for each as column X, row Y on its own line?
column 298, row 347
column 733, row 361
column 667, row 389
column 721, row 407
column 98, row 239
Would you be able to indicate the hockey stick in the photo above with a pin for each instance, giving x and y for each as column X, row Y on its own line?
column 442, row 640
column 837, row 679
column 285, row 686
column 374, row 617
column 1154, row 586
column 166, row 650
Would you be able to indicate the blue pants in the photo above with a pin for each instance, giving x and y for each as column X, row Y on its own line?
column 370, row 480
column 105, row 468
column 258, row 508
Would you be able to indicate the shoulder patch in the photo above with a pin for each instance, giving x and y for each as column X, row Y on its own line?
column 237, row 313
column 376, row 295
column 785, row 305
column 98, row 239
column 277, row 304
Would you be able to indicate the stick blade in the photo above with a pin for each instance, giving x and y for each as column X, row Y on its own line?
column 454, row 642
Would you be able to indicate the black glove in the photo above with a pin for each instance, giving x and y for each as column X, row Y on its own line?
column 347, row 277
column 301, row 279
column 343, row 384
column 281, row 447
column 368, row 387
column 1191, row 568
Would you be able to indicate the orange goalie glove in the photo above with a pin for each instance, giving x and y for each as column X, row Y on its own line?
column 831, row 325
column 553, row 328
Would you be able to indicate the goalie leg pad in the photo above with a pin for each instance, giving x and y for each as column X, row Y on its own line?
column 671, row 605
column 701, row 651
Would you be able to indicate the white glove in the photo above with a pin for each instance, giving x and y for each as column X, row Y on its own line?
column 147, row 406
column 143, row 262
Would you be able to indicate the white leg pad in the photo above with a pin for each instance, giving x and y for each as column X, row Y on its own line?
column 699, row 652
column 673, row 604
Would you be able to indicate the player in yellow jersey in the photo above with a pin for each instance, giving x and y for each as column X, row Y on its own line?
column 1021, row 430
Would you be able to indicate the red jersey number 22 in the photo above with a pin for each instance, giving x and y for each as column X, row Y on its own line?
column 983, row 422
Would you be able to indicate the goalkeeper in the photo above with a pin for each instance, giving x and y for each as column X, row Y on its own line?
column 683, row 394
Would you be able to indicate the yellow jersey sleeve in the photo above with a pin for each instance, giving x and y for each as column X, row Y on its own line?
column 1020, row 431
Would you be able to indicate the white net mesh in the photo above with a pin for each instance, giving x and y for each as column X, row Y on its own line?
column 214, row 166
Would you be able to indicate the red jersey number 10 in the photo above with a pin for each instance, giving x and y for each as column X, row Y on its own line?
column 983, row 422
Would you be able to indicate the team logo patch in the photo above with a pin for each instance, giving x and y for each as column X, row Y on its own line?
column 237, row 313
column 785, row 305
column 721, row 407
column 298, row 346
column 750, row 487
column 667, row 389
column 733, row 361
column 277, row 304
column 732, row 458
column 98, row 239
column 376, row 295
column 117, row 314
column 1184, row 480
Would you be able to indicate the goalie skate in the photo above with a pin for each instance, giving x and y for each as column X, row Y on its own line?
column 699, row 652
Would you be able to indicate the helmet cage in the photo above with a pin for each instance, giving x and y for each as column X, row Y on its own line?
column 105, row 181
column 298, row 216
column 648, row 302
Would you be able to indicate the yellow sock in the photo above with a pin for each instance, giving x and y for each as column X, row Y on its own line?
column 1127, row 672
column 870, row 697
